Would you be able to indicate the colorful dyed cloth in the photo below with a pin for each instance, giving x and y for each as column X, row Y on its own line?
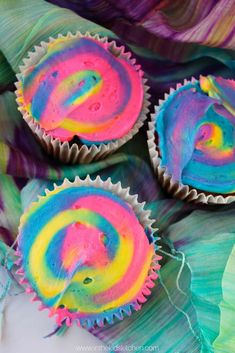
column 192, row 308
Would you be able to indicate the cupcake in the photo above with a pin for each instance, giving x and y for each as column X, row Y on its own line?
column 191, row 140
column 87, row 252
column 82, row 96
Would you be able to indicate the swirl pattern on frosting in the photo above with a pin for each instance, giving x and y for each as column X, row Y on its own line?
column 85, row 253
column 196, row 132
column 79, row 88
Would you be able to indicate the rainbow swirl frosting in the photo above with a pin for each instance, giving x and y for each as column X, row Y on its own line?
column 85, row 255
column 80, row 88
column 196, row 134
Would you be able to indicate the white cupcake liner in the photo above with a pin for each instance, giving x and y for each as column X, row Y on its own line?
column 174, row 187
column 147, row 223
column 62, row 150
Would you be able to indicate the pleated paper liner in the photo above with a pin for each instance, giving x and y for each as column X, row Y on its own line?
column 174, row 187
column 64, row 316
column 65, row 151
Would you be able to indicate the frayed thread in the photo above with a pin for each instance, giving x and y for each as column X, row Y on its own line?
column 59, row 330
column 182, row 260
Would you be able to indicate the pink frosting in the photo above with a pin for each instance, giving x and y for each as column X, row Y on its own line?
column 80, row 88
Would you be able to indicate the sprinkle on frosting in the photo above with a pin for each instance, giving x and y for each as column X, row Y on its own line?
column 196, row 130
column 79, row 88
column 85, row 254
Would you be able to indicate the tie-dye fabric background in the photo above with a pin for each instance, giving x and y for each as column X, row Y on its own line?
column 192, row 308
